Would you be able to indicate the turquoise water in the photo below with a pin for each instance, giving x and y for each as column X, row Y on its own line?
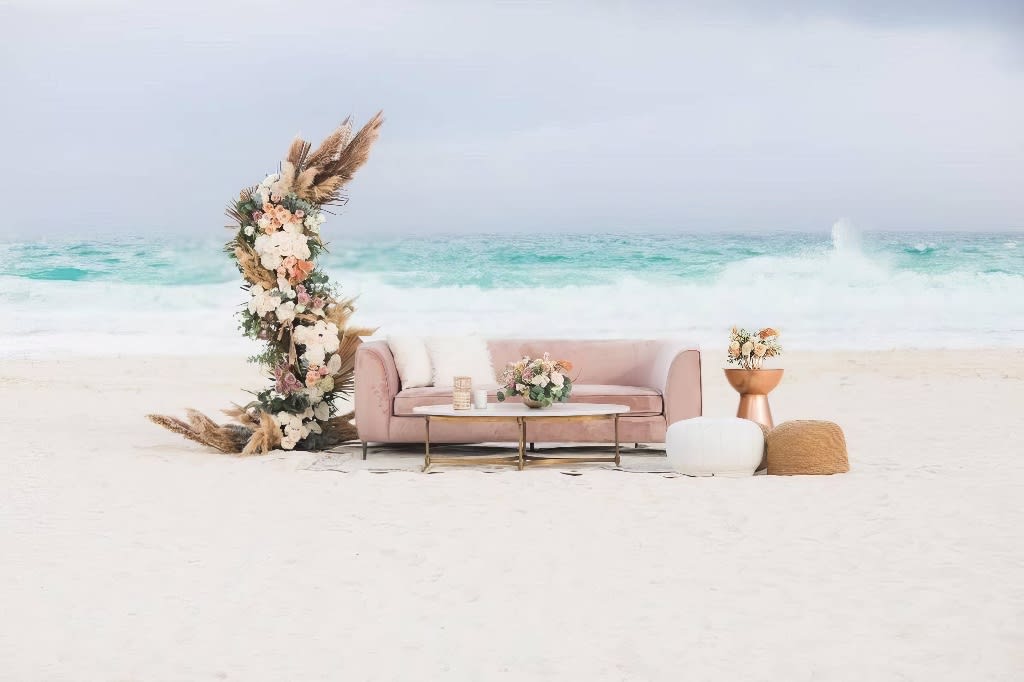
column 841, row 289
column 493, row 261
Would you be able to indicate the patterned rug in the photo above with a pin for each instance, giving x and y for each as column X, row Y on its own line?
column 409, row 458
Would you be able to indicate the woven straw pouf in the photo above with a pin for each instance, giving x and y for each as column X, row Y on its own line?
column 807, row 447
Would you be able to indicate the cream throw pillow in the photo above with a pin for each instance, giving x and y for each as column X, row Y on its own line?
column 464, row 356
column 412, row 360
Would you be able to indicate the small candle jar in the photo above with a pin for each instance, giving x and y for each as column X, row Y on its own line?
column 480, row 398
column 462, row 389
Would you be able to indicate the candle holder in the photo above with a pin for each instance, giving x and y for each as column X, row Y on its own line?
column 462, row 393
column 480, row 399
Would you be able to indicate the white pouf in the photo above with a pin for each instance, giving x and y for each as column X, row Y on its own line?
column 705, row 446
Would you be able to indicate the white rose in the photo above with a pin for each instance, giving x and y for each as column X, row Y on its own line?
column 746, row 348
column 286, row 312
column 557, row 379
column 298, row 245
column 269, row 251
column 262, row 301
column 520, row 388
column 270, row 180
column 322, row 411
column 249, row 230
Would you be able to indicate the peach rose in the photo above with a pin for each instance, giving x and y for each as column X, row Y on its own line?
column 760, row 349
column 767, row 333
column 734, row 349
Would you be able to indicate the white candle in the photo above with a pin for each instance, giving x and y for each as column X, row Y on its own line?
column 480, row 399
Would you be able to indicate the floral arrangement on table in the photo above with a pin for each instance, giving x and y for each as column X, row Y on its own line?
column 749, row 349
column 540, row 382
column 292, row 305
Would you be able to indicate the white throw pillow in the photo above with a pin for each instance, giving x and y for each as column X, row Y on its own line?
column 462, row 356
column 412, row 360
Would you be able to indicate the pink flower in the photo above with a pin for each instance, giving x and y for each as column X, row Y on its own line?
column 300, row 213
column 318, row 303
column 286, row 381
column 302, row 296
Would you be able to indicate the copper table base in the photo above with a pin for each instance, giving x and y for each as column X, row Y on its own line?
column 754, row 385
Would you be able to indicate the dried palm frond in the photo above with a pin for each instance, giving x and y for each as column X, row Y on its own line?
column 228, row 438
column 338, row 430
column 232, row 209
column 348, row 343
column 332, row 145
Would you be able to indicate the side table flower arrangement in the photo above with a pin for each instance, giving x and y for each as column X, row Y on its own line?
column 749, row 350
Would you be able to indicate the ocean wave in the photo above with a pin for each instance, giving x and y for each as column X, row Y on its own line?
column 844, row 292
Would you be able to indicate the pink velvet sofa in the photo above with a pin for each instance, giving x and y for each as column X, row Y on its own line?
column 659, row 381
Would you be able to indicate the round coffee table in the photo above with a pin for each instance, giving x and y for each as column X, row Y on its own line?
column 520, row 414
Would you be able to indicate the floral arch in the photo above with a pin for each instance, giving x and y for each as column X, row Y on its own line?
column 292, row 305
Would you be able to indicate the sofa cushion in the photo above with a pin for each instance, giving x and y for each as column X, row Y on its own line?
column 640, row 400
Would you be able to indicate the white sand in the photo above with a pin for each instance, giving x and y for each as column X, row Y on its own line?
column 131, row 555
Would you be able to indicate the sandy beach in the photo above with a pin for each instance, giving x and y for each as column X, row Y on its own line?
column 133, row 555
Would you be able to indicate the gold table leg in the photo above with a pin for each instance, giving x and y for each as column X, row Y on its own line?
column 426, row 446
column 616, row 440
column 535, row 460
column 522, row 442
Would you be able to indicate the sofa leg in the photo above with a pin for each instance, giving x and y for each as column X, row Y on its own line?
column 364, row 449
column 533, row 447
column 636, row 446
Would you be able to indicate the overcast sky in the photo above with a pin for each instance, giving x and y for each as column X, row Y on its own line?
column 145, row 117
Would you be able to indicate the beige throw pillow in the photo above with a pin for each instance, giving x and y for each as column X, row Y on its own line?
column 468, row 356
column 412, row 360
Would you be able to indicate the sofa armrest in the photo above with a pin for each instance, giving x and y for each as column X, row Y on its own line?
column 376, row 385
column 676, row 373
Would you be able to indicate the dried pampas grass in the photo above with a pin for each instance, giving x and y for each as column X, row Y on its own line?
column 228, row 438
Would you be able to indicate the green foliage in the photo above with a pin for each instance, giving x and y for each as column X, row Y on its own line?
column 250, row 323
column 270, row 357
column 274, row 402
